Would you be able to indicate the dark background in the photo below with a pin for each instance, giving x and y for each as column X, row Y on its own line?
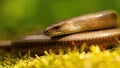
column 21, row 17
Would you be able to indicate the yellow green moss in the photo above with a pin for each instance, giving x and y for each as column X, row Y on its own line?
column 73, row 59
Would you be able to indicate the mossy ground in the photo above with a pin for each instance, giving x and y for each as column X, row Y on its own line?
column 73, row 59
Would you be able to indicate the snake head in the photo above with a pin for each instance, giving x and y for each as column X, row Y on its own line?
column 61, row 28
column 54, row 30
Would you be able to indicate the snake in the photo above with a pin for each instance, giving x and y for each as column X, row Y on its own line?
column 98, row 28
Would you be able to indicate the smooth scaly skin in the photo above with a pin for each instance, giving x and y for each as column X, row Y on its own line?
column 105, row 38
column 93, row 21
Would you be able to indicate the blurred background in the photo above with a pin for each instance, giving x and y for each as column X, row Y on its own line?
column 21, row 17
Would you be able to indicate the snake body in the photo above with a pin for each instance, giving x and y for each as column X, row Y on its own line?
column 93, row 21
column 93, row 29
column 104, row 38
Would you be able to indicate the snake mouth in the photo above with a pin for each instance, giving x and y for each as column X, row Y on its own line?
column 53, row 33
column 60, row 32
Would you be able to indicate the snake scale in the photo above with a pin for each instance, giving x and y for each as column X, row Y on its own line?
column 99, row 28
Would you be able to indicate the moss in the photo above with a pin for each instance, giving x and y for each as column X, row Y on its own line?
column 73, row 59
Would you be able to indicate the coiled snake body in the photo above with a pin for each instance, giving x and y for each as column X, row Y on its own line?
column 93, row 29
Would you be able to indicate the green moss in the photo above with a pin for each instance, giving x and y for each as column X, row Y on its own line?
column 73, row 59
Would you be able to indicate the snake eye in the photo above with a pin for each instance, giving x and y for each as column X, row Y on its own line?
column 56, row 27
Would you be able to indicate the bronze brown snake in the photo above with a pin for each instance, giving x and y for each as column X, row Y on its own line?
column 100, row 28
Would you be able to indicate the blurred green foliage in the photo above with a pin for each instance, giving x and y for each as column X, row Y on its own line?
column 19, row 17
